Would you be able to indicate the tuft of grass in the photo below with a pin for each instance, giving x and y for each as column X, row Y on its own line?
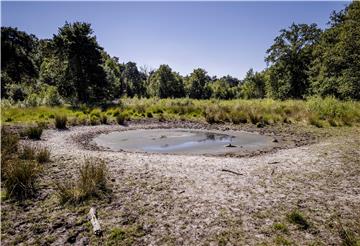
column 280, row 240
column 9, row 145
column 280, row 227
column 43, row 155
column 120, row 119
column 21, row 178
column 27, row 152
column 60, row 121
column 91, row 183
column 34, row 132
column 103, row 119
column 297, row 218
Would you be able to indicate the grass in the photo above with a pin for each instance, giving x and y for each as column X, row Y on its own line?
column 91, row 183
column 20, row 178
column 125, row 236
column 60, row 121
column 297, row 218
column 43, row 155
column 328, row 112
column 34, row 132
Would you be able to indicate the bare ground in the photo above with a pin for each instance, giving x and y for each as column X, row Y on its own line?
column 189, row 200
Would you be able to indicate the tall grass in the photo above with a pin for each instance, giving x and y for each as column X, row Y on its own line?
column 91, row 183
column 328, row 112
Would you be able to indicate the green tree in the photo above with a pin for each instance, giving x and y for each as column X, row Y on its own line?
column 134, row 80
column 18, row 59
column 199, row 84
column 290, row 57
column 336, row 69
column 253, row 85
column 85, row 78
column 166, row 83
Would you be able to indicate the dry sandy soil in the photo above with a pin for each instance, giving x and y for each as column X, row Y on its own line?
column 189, row 200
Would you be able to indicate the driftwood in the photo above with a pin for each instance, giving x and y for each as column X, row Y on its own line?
column 94, row 221
column 229, row 171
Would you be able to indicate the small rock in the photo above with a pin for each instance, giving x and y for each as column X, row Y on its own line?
column 275, row 140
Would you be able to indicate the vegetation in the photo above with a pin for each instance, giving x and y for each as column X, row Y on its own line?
column 60, row 121
column 91, row 183
column 298, row 218
column 20, row 166
column 72, row 68
column 34, row 132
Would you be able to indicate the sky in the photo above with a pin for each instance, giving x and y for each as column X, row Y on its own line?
column 224, row 38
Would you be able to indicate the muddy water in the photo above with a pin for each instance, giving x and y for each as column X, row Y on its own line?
column 181, row 141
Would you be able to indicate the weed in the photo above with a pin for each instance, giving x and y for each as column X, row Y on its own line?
column 280, row 227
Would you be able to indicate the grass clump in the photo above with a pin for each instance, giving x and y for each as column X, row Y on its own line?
column 91, row 183
column 60, row 121
column 280, row 227
column 27, row 152
column 43, row 155
column 9, row 144
column 20, row 178
column 34, row 132
column 120, row 118
column 298, row 219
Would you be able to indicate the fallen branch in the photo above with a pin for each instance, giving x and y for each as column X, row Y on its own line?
column 229, row 171
column 94, row 221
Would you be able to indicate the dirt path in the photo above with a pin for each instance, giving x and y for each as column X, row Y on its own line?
column 191, row 200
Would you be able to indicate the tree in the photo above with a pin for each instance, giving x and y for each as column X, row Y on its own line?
column 166, row 83
column 85, row 79
column 253, row 85
column 290, row 57
column 199, row 84
column 134, row 80
column 18, row 59
column 336, row 69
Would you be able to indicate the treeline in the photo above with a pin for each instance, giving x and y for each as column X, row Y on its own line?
column 72, row 67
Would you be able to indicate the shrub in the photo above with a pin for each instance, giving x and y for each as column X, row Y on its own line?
column 43, row 155
column 34, row 132
column 120, row 119
column 21, row 178
column 60, row 121
column 297, row 218
column 92, row 182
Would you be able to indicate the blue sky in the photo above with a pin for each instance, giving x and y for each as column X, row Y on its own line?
column 221, row 37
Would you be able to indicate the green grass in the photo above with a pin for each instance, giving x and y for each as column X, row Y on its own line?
column 328, row 112
column 297, row 218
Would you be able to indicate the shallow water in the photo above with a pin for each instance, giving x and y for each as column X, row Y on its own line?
column 181, row 141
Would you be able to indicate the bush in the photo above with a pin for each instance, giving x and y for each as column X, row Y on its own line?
column 43, row 155
column 21, row 177
column 94, row 120
column 34, row 132
column 60, row 121
column 91, row 183
column 103, row 119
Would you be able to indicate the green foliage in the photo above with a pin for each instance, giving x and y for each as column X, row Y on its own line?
column 298, row 218
column 85, row 76
column 166, row 83
column 91, row 183
column 253, row 85
column 60, row 121
column 120, row 118
column 290, row 57
column 199, row 84
column 336, row 70
column 125, row 236
column 34, row 132
column 9, row 145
